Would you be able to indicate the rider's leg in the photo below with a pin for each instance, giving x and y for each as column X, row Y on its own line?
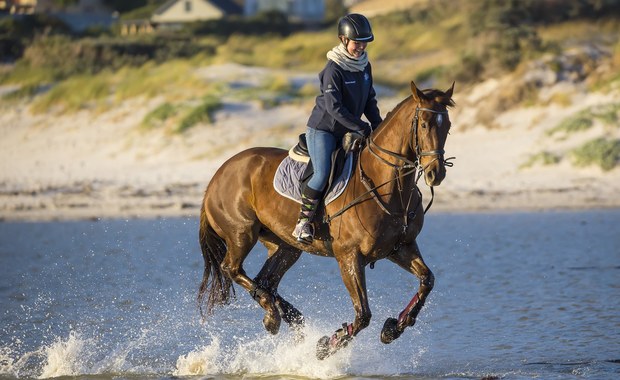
column 321, row 144
column 304, row 230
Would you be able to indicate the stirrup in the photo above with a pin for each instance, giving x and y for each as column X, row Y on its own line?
column 304, row 232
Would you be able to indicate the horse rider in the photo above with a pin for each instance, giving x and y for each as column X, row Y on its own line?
column 347, row 93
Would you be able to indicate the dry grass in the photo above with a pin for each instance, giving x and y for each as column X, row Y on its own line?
column 580, row 31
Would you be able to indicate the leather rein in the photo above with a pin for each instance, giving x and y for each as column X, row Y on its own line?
column 404, row 169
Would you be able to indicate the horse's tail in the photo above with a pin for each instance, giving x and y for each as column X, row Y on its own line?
column 217, row 286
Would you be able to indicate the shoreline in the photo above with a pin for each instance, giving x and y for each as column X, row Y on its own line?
column 158, row 203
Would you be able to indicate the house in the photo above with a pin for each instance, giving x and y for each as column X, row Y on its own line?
column 182, row 11
column 296, row 10
column 173, row 13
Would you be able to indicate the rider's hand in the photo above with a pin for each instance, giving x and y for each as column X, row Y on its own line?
column 366, row 131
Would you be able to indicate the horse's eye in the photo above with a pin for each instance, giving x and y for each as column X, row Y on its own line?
column 439, row 119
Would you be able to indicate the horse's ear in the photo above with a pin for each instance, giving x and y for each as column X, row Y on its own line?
column 450, row 90
column 417, row 94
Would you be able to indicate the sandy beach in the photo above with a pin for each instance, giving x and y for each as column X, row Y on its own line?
column 103, row 165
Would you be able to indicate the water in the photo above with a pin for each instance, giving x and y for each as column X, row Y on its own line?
column 517, row 296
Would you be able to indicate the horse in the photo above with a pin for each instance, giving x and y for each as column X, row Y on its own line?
column 378, row 216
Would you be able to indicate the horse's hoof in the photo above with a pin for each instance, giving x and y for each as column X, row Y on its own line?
column 390, row 331
column 326, row 346
column 289, row 313
column 323, row 349
column 272, row 322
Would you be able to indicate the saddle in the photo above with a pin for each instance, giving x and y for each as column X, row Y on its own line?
column 351, row 142
column 299, row 152
column 295, row 170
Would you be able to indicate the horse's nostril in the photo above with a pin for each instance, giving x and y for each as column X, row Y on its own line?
column 430, row 177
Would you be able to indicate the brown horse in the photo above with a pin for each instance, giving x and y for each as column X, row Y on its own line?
column 378, row 216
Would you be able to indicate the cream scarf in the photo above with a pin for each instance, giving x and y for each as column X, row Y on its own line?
column 341, row 56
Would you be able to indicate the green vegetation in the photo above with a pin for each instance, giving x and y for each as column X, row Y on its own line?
column 159, row 115
column 450, row 40
column 447, row 40
column 74, row 94
column 572, row 124
column 203, row 113
column 543, row 158
column 26, row 91
column 601, row 152
column 608, row 114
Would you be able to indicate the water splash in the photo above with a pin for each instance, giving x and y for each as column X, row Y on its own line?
column 64, row 357
column 59, row 358
column 266, row 355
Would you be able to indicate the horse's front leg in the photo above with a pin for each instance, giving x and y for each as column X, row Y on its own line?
column 354, row 278
column 410, row 259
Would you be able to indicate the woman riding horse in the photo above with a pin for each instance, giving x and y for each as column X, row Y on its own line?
column 346, row 93
column 378, row 216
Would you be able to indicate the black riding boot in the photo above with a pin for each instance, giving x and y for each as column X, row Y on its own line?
column 304, row 230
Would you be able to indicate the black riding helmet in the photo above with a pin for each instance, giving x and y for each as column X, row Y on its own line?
column 355, row 27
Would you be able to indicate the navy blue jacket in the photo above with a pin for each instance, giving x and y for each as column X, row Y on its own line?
column 344, row 97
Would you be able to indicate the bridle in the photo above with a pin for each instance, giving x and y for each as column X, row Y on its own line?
column 418, row 151
column 413, row 144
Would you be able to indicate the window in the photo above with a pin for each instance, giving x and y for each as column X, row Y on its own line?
column 188, row 6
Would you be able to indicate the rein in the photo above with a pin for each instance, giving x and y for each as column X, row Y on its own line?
column 409, row 165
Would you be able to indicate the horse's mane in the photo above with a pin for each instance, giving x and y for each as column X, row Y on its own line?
column 430, row 93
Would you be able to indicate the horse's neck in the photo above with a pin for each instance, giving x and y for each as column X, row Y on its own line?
column 394, row 133
column 392, row 136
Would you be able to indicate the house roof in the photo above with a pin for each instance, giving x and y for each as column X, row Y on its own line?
column 227, row 6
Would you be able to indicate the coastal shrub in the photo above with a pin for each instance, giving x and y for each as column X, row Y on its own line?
column 24, row 92
column 203, row 113
column 469, row 69
column 278, row 84
column 427, row 75
column 608, row 114
column 73, row 94
column 571, row 124
column 65, row 56
column 544, row 158
column 159, row 115
column 601, row 152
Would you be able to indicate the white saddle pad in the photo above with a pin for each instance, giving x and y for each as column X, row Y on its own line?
column 287, row 179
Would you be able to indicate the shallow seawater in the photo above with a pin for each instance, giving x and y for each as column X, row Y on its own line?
column 517, row 296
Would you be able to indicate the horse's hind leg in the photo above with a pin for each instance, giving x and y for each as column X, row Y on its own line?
column 239, row 246
column 409, row 258
column 281, row 258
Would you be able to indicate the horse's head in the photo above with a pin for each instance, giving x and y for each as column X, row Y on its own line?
column 430, row 127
